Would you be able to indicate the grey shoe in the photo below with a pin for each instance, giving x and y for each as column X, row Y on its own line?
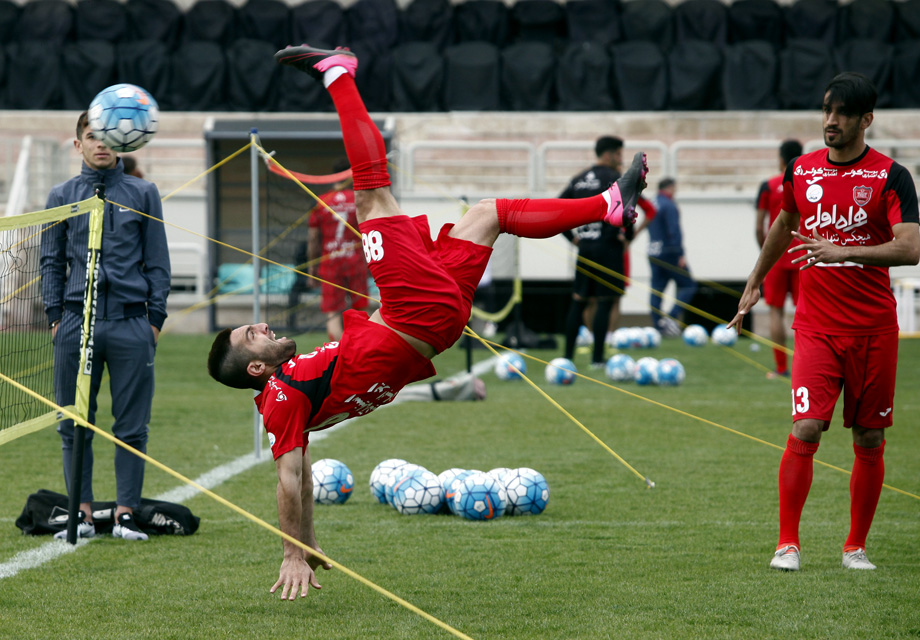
column 127, row 529
column 786, row 559
column 84, row 529
column 857, row 559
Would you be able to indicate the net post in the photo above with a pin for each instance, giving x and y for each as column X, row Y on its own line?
column 254, row 180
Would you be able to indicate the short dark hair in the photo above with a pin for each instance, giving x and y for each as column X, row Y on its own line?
column 607, row 143
column 129, row 162
column 228, row 365
column 790, row 150
column 82, row 123
column 854, row 91
column 664, row 183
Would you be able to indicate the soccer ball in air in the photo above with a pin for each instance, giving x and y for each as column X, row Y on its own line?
column 560, row 371
column 381, row 474
column 695, row 335
column 480, row 497
column 620, row 367
column 124, row 117
column 418, row 491
column 332, row 481
column 670, row 372
column 527, row 492
column 504, row 370
column 724, row 336
column 646, row 372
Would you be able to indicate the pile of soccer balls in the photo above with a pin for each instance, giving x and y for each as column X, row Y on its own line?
column 511, row 366
column 469, row 493
column 645, row 371
column 635, row 338
column 695, row 335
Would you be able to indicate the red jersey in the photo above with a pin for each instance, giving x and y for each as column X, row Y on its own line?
column 770, row 198
column 338, row 380
column 856, row 203
column 341, row 246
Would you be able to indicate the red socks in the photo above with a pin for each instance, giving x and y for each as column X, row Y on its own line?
column 795, row 474
column 545, row 218
column 781, row 359
column 865, row 487
column 363, row 142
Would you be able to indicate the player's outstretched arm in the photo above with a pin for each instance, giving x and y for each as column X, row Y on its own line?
column 295, row 574
column 307, row 534
column 903, row 249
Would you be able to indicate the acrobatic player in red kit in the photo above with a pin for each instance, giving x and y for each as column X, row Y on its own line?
column 426, row 291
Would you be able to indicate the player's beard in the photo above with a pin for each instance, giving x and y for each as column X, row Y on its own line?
column 844, row 138
column 279, row 351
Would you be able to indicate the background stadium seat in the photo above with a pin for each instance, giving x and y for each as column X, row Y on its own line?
column 300, row 93
column 750, row 70
column 871, row 58
column 211, row 21
column 145, row 63
column 9, row 20
column 417, row 78
column 101, row 20
column 373, row 77
column 701, row 20
column 472, row 77
column 867, row 20
column 26, row 61
column 482, row 20
column 427, row 21
column 583, row 78
column 87, row 67
column 648, row 21
column 905, row 90
column 805, row 68
column 538, row 20
column 319, row 23
column 813, row 19
column 50, row 21
column 252, row 75
column 528, row 77
column 640, row 76
column 908, row 21
column 695, row 76
column 755, row 20
column 198, row 77
column 155, row 20
column 266, row 20
column 374, row 25
column 593, row 20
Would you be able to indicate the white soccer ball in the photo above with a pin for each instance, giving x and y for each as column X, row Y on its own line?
column 395, row 477
column 480, row 497
column 510, row 366
column 333, row 482
column 452, row 486
column 724, row 336
column 499, row 473
column 621, row 338
column 637, row 337
column 584, row 338
column 646, row 372
column 670, row 372
column 526, row 491
column 652, row 337
column 620, row 367
column 695, row 335
column 419, row 491
column 124, row 117
column 381, row 474
column 560, row 371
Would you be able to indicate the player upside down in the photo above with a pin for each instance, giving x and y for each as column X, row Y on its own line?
column 426, row 291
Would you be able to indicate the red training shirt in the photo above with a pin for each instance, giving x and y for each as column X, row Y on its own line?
column 770, row 198
column 341, row 246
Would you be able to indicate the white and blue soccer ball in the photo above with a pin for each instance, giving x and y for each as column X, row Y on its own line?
column 452, row 486
column 510, row 366
column 670, row 372
column 418, row 491
column 724, row 336
column 620, row 367
column 499, row 473
column 652, row 337
column 395, row 477
column 695, row 335
column 480, row 497
column 646, row 372
column 584, row 338
column 560, row 371
column 333, row 482
column 527, row 492
column 637, row 337
column 124, row 117
column 381, row 474
column 621, row 338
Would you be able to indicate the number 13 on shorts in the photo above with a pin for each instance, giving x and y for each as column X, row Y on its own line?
column 373, row 246
column 800, row 402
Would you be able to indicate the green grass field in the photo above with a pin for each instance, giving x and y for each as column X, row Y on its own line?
column 609, row 558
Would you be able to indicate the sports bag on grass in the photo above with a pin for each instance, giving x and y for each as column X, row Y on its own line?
column 46, row 513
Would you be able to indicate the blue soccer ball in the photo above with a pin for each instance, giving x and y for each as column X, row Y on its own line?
column 621, row 338
column 620, row 367
column 381, row 474
column 418, row 491
column 333, row 482
column 480, row 497
column 584, row 338
column 510, row 366
column 724, row 336
column 124, row 117
column 452, row 487
column 695, row 335
column 646, row 372
column 395, row 477
column 670, row 372
column 652, row 337
column 527, row 492
column 560, row 371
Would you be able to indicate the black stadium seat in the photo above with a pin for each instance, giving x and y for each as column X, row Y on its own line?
column 87, row 67
column 695, row 76
column 50, row 21
column 417, row 78
column 583, row 78
column 211, row 21
column 154, row 20
column 812, row 19
column 649, row 21
column 101, row 20
column 374, row 24
column 640, row 76
column 908, row 21
column 749, row 75
column 755, row 20
column 427, row 21
column 528, row 77
column 9, row 20
column 266, row 20
column 472, row 80
column 537, row 20
column 198, row 78
column 593, row 20
column 904, row 86
column 482, row 20
column 146, row 64
column 319, row 23
column 28, row 61
column 867, row 20
column 252, row 75
column 805, row 68
column 701, row 20
column 871, row 58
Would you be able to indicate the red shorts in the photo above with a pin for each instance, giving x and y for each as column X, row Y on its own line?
column 426, row 288
column 864, row 367
column 335, row 299
column 778, row 284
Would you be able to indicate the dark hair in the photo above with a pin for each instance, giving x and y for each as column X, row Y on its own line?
column 130, row 163
column 664, row 183
column 607, row 143
column 228, row 365
column 790, row 150
column 853, row 91
column 82, row 123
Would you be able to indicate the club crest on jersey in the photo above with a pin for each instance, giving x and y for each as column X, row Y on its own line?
column 814, row 193
column 862, row 195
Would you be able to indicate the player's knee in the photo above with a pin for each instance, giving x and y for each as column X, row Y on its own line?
column 485, row 208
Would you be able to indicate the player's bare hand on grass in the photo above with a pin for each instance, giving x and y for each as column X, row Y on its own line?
column 748, row 299
column 296, row 574
column 818, row 249
column 316, row 561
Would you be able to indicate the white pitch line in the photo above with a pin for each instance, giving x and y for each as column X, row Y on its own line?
column 34, row 558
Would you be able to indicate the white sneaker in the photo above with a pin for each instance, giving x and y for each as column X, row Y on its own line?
column 127, row 529
column 786, row 559
column 84, row 529
column 856, row 559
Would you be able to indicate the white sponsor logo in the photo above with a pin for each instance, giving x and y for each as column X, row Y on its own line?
column 824, row 172
column 271, row 439
column 814, row 193
column 885, row 412
column 866, row 173
column 842, row 222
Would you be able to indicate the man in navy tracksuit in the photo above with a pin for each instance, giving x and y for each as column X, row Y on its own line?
column 668, row 261
column 132, row 286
